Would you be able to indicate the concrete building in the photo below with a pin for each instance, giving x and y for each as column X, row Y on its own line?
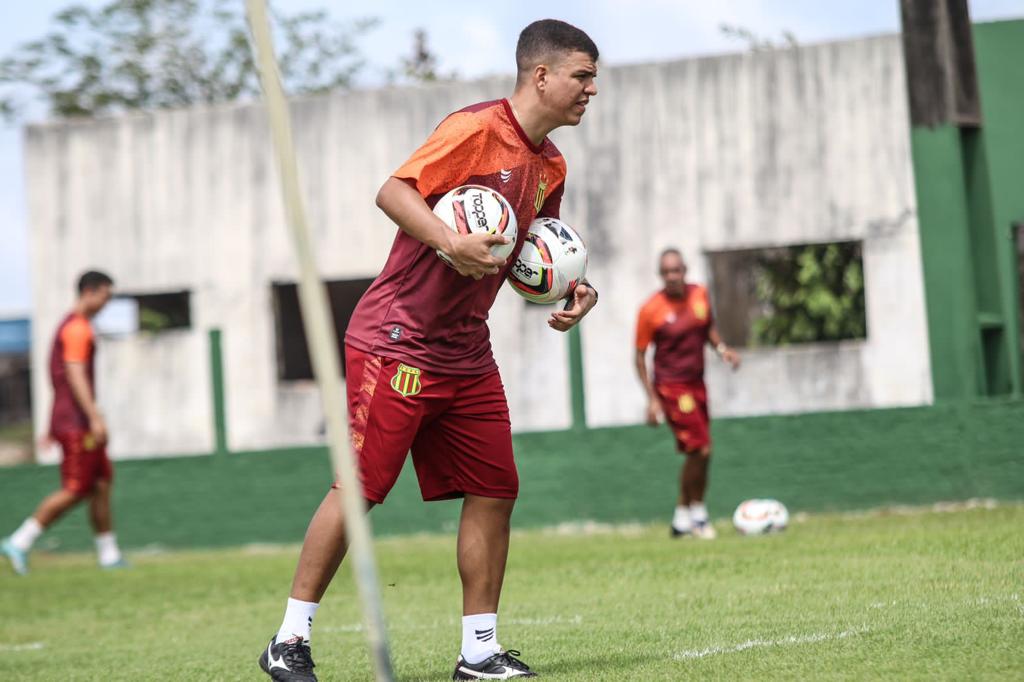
column 801, row 145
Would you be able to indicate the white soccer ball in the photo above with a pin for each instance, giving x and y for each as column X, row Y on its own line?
column 756, row 517
column 553, row 261
column 474, row 209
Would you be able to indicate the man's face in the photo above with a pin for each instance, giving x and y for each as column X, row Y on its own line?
column 568, row 85
column 97, row 297
column 673, row 274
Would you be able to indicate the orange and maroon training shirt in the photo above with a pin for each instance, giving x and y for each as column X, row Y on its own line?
column 73, row 343
column 679, row 328
column 419, row 309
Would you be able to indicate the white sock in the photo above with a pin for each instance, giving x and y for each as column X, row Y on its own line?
column 298, row 620
column 479, row 637
column 681, row 519
column 28, row 532
column 698, row 512
column 106, row 548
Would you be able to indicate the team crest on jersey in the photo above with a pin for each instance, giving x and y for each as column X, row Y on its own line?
column 687, row 404
column 542, row 188
column 700, row 310
column 407, row 380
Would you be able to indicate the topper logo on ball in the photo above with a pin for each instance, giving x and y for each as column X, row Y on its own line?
column 479, row 212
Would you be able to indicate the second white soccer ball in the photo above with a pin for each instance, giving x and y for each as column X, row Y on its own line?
column 476, row 209
column 757, row 517
column 552, row 263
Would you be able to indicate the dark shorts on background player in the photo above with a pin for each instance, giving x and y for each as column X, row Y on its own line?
column 686, row 411
column 84, row 462
column 457, row 428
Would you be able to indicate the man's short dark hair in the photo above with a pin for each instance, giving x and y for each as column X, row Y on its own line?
column 92, row 280
column 546, row 37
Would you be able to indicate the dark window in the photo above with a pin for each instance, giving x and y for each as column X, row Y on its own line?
column 163, row 312
column 792, row 294
column 130, row 313
column 293, row 361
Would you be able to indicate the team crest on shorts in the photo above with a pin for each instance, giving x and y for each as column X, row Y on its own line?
column 687, row 403
column 407, row 380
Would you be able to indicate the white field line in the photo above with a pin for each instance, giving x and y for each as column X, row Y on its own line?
column 765, row 644
column 983, row 600
column 30, row 646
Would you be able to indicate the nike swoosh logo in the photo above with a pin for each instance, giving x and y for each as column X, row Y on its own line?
column 275, row 662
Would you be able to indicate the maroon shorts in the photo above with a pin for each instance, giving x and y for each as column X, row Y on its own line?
column 686, row 411
column 457, row 428
column 84, row 462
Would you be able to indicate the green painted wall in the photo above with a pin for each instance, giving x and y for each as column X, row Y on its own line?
column 969, row 194
column 999, row 51
column 835, row 461
column 945, row 252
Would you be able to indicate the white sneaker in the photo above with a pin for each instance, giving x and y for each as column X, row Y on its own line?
column 704, row 530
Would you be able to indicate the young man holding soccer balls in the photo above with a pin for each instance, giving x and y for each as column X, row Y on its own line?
column 421, row 375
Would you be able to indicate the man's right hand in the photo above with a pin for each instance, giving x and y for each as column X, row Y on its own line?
column 654, row 412
column 470, row 254
column 98, row 429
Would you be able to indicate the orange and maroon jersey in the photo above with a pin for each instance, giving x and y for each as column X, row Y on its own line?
column 74, row 342
column 421, row 310
column 679, row 328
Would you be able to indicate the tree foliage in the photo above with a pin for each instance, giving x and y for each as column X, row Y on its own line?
column 756, row 42
column 152, row 54
column 812, row 293
column 421, row 66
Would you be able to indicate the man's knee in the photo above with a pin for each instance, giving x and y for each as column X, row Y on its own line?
column 74, row 493
column 492, row 512
column 703, row 453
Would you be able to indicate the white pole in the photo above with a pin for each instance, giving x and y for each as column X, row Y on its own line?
column 322, row 345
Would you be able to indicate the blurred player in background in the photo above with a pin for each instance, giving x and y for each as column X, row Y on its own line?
column 421, row 375
column 78, row 426
column 678, row 321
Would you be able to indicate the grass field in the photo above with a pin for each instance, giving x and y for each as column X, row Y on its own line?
column 918, row 595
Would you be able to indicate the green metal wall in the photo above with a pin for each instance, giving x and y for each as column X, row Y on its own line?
column 970, row 194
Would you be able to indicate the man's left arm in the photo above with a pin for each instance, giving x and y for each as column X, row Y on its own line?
column 583, row 299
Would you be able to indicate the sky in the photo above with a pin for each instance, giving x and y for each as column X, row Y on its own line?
column 476, row 39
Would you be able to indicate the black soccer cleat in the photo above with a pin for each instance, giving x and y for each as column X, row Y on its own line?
column 676, row 533
column 289, row 661
column 501, row 666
